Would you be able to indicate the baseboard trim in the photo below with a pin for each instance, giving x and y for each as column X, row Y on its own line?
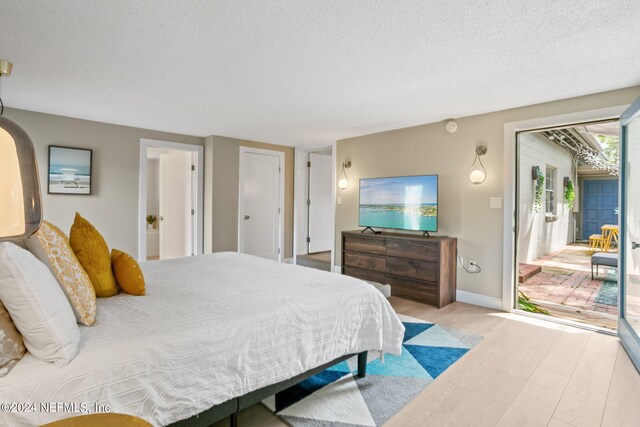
column 479, row 299
column 463, row 296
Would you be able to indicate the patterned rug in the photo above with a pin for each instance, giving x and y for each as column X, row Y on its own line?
column 608, row 292
column 335, row 397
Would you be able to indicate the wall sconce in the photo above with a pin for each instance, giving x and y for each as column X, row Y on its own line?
column 343, row 183
column 477, row 173
column 21, row 211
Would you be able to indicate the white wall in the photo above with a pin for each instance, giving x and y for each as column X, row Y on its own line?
column 153, row 191
column 537, row 236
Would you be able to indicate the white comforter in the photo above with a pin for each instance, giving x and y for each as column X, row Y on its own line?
column 210, row 328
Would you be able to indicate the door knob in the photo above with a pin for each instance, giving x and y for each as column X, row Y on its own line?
column 635, row 245
column 247, row 217
column 161, row 218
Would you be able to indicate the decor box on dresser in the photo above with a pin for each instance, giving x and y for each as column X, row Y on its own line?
column 418, row 268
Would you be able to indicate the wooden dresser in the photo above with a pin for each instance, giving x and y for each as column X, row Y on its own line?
column 417, row 268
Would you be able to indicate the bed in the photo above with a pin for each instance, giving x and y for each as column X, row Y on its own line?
column 214, row 332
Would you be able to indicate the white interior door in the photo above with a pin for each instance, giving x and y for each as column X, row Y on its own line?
column 260, row 203
column 175, row 200
column 321, row 205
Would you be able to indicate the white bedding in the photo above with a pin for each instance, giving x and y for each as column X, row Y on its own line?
column 210, row 328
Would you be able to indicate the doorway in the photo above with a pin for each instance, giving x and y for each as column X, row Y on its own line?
column 170, row 200
column 315, row 207
column 567, row 225
column 261, row 203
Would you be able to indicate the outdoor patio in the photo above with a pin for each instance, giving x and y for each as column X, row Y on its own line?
column 564, row 287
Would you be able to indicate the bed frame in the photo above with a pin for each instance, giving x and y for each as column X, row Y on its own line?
column 232, row 407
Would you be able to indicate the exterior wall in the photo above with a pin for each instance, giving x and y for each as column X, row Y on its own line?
column 537, row 236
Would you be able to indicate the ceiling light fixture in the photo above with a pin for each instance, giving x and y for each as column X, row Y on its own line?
column 477, row 173
column 21, row 212
column 343, row 183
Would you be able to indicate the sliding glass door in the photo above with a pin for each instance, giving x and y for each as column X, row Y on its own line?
column 629, row 261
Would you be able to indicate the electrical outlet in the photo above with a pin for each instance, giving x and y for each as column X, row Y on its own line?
column 472, row 265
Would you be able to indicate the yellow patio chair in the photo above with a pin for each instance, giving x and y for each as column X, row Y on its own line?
column 596, row 241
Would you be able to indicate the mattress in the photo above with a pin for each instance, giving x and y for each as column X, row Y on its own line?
column 211, row 327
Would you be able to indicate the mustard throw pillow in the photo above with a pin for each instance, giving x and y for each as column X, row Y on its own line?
column 93, row 253
column 128, row 273
column 51, row 246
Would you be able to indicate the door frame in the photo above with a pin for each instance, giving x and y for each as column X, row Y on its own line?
column 511, row 131
column 301, row 194
column 198, row 185
column 628, row 336
column 241, row 167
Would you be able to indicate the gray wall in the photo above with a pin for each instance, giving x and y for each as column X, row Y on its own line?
column 221, row 193
column 464, row 207
column 222, row 161
column 113, row 206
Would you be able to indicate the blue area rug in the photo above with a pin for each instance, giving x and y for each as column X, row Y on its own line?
column 335, row 397
column 608, row 292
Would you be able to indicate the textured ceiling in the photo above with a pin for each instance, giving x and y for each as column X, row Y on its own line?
column 304, row 72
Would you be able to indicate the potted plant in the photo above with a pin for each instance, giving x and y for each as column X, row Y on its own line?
column 539, row 178
column 151, row 220
column 569, row 194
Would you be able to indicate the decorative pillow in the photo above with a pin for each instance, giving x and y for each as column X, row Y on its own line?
column 50, row 246
column 37, row 306
column 128, row 273
column 93, row 253
column 11, row 346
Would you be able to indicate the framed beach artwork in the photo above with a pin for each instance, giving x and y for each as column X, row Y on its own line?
column 69, row 170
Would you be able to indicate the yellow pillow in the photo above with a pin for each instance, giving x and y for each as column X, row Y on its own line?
column 93, row 253
column 128, row 273
column 51, row 246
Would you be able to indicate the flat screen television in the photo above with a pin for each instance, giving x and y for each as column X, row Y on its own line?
column 401, row 202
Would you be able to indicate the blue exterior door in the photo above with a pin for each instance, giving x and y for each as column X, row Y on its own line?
column 599, row 205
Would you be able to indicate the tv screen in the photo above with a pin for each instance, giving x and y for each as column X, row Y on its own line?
column 403, row 202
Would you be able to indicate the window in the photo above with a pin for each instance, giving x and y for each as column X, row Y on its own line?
column 549, row 187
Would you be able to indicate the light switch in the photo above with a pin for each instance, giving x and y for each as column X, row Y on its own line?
column 495, row 202
column 339, row 200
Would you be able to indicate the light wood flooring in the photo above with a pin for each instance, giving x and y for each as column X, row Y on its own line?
column 525, row 372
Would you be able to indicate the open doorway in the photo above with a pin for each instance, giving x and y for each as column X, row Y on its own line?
column 316, row 219
column 567, row 222
column 170, row 200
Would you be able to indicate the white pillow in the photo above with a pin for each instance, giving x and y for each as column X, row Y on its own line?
column 38, row 306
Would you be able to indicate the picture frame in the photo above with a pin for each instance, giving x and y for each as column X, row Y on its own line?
column 70, row 170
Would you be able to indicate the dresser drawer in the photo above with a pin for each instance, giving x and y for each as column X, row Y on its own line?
column 421, row 270
column 369, row 275
column 425, row 292
column 366, row 261
column 364, row 244
column 423, row 251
